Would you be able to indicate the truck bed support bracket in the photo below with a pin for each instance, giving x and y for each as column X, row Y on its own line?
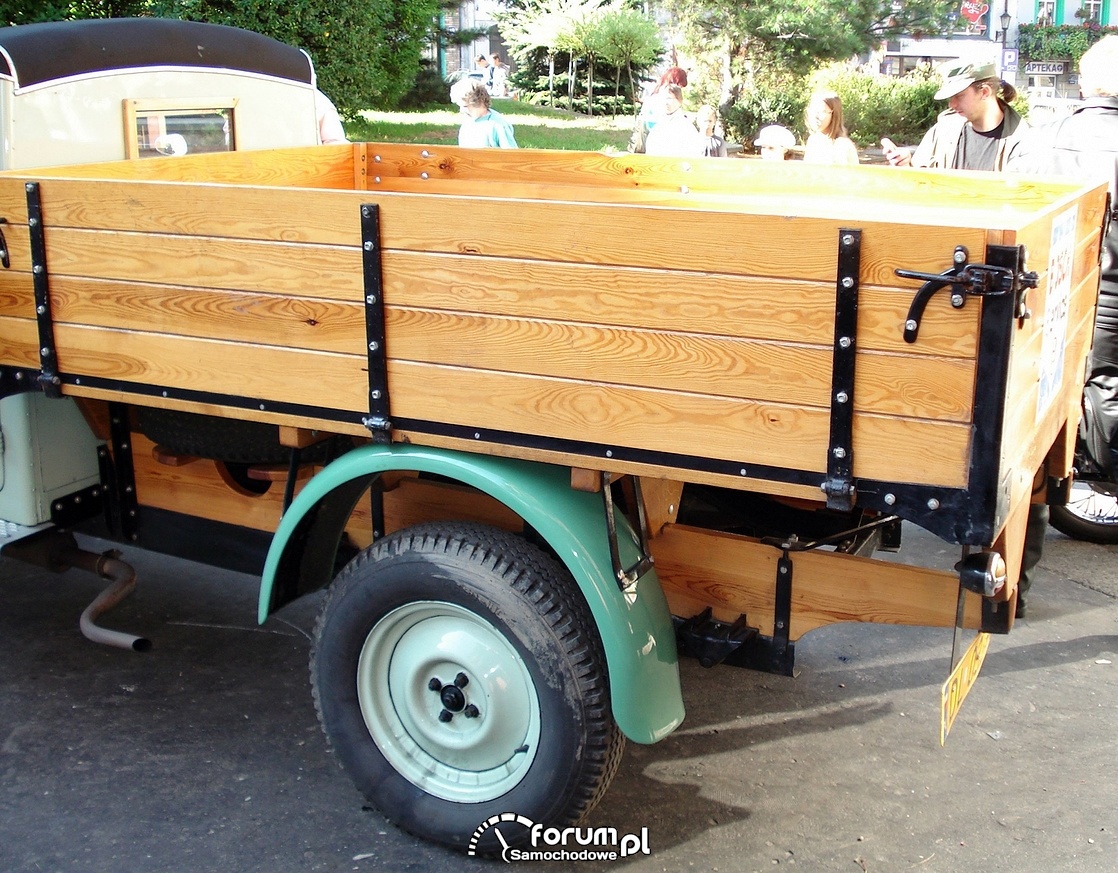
column 49, row 378
column 839, row 484
column 379, row 421
column 626, row 577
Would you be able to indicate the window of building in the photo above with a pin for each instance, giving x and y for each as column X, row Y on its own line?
column 1091, row 10
column 1046, row 12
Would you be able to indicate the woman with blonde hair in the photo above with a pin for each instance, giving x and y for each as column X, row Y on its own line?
column 827, row 142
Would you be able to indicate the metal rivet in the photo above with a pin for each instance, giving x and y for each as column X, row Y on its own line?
column 956, row 300
column 425, row 154
column 34, row 222
column 375, row 394
column 376, row 158
column 847, row 239
column 743, row 472
column 424, row 175
column 609, row 453
column 845, row 342
column 960, row 257
column 37, row 269
column 933, row 504
column 365, row 211
column 44, row 351
column 42, row 310
column 30, row 186
column 368, row 246
column 910, row 324
column 58, row 507
column 683, row 189
column 372, row 298
column 847, row 282
column 839, row 452
column 376, row 179
column 842, row 397
column 373, row 346
column 477, row 436
column 164, row 393
column 890, row 499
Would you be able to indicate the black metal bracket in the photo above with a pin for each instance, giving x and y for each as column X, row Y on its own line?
column 379, row 420
column 711, row 642
column 782, row 652
column 49, row 377
column 839, row 484
column 965, row 279
column 626, row 577
column 5, row 255
column 122, row 474
column 70, row 509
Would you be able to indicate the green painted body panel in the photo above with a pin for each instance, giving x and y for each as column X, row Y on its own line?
column 635, row 627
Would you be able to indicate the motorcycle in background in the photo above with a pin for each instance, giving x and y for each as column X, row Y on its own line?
column 1091, row 513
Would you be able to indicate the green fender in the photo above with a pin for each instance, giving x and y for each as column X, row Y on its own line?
column 635, row 627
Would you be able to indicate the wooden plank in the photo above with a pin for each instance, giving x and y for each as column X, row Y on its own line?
column 415, row 501
column 284, row 320
column 739, row 431
column 906, row 190
column 263, row 373
column 702, row 302
column 612, row 465
column 19, row 342
column 605, row 233
column 331, row 272
column 17, row 295
column 736, row 575
column 326, row 217
column 793, row 374
column 329, row 166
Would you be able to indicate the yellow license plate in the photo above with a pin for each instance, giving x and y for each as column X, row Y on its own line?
column 959, row 683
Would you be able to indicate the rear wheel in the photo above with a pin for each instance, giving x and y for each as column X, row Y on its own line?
column 1091, row 513
column 458, row 675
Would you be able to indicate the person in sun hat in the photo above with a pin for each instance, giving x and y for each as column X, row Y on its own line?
column 979, row 130
column 775, row 141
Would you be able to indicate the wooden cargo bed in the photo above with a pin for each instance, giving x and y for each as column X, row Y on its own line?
column 670, row 318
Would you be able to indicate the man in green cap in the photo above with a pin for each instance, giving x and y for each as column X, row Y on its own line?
column 979, row 130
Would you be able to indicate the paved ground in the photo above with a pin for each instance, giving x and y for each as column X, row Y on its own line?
column 204, row 754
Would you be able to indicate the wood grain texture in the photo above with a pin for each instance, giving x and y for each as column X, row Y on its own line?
column 736, row 575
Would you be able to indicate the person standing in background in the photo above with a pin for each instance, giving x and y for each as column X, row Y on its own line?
column 979, row 130
column 674, row 135
column 498, row 76
column 827, row 142
column 706, row 120
column 484, row 127
column 652, row 107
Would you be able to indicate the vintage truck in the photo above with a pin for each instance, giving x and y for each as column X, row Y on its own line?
column 545, row 422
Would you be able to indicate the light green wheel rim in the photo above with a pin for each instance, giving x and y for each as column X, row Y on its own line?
column 429, row 659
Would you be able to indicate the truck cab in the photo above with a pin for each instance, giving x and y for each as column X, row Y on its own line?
column 116, row 89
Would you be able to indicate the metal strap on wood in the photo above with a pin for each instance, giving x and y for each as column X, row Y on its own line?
column 839, row 484
column 49, row 377
column 379, row 421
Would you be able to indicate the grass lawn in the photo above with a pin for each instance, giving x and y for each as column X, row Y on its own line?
column 536, row 127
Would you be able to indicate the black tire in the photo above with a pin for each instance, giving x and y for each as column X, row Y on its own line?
column 227, row 439
column 1091, row 513
column 484, row 611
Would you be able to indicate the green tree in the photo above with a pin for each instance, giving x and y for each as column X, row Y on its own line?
column 792, row 36
column 35, row 11
column 630, row 38
column 366, row 54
